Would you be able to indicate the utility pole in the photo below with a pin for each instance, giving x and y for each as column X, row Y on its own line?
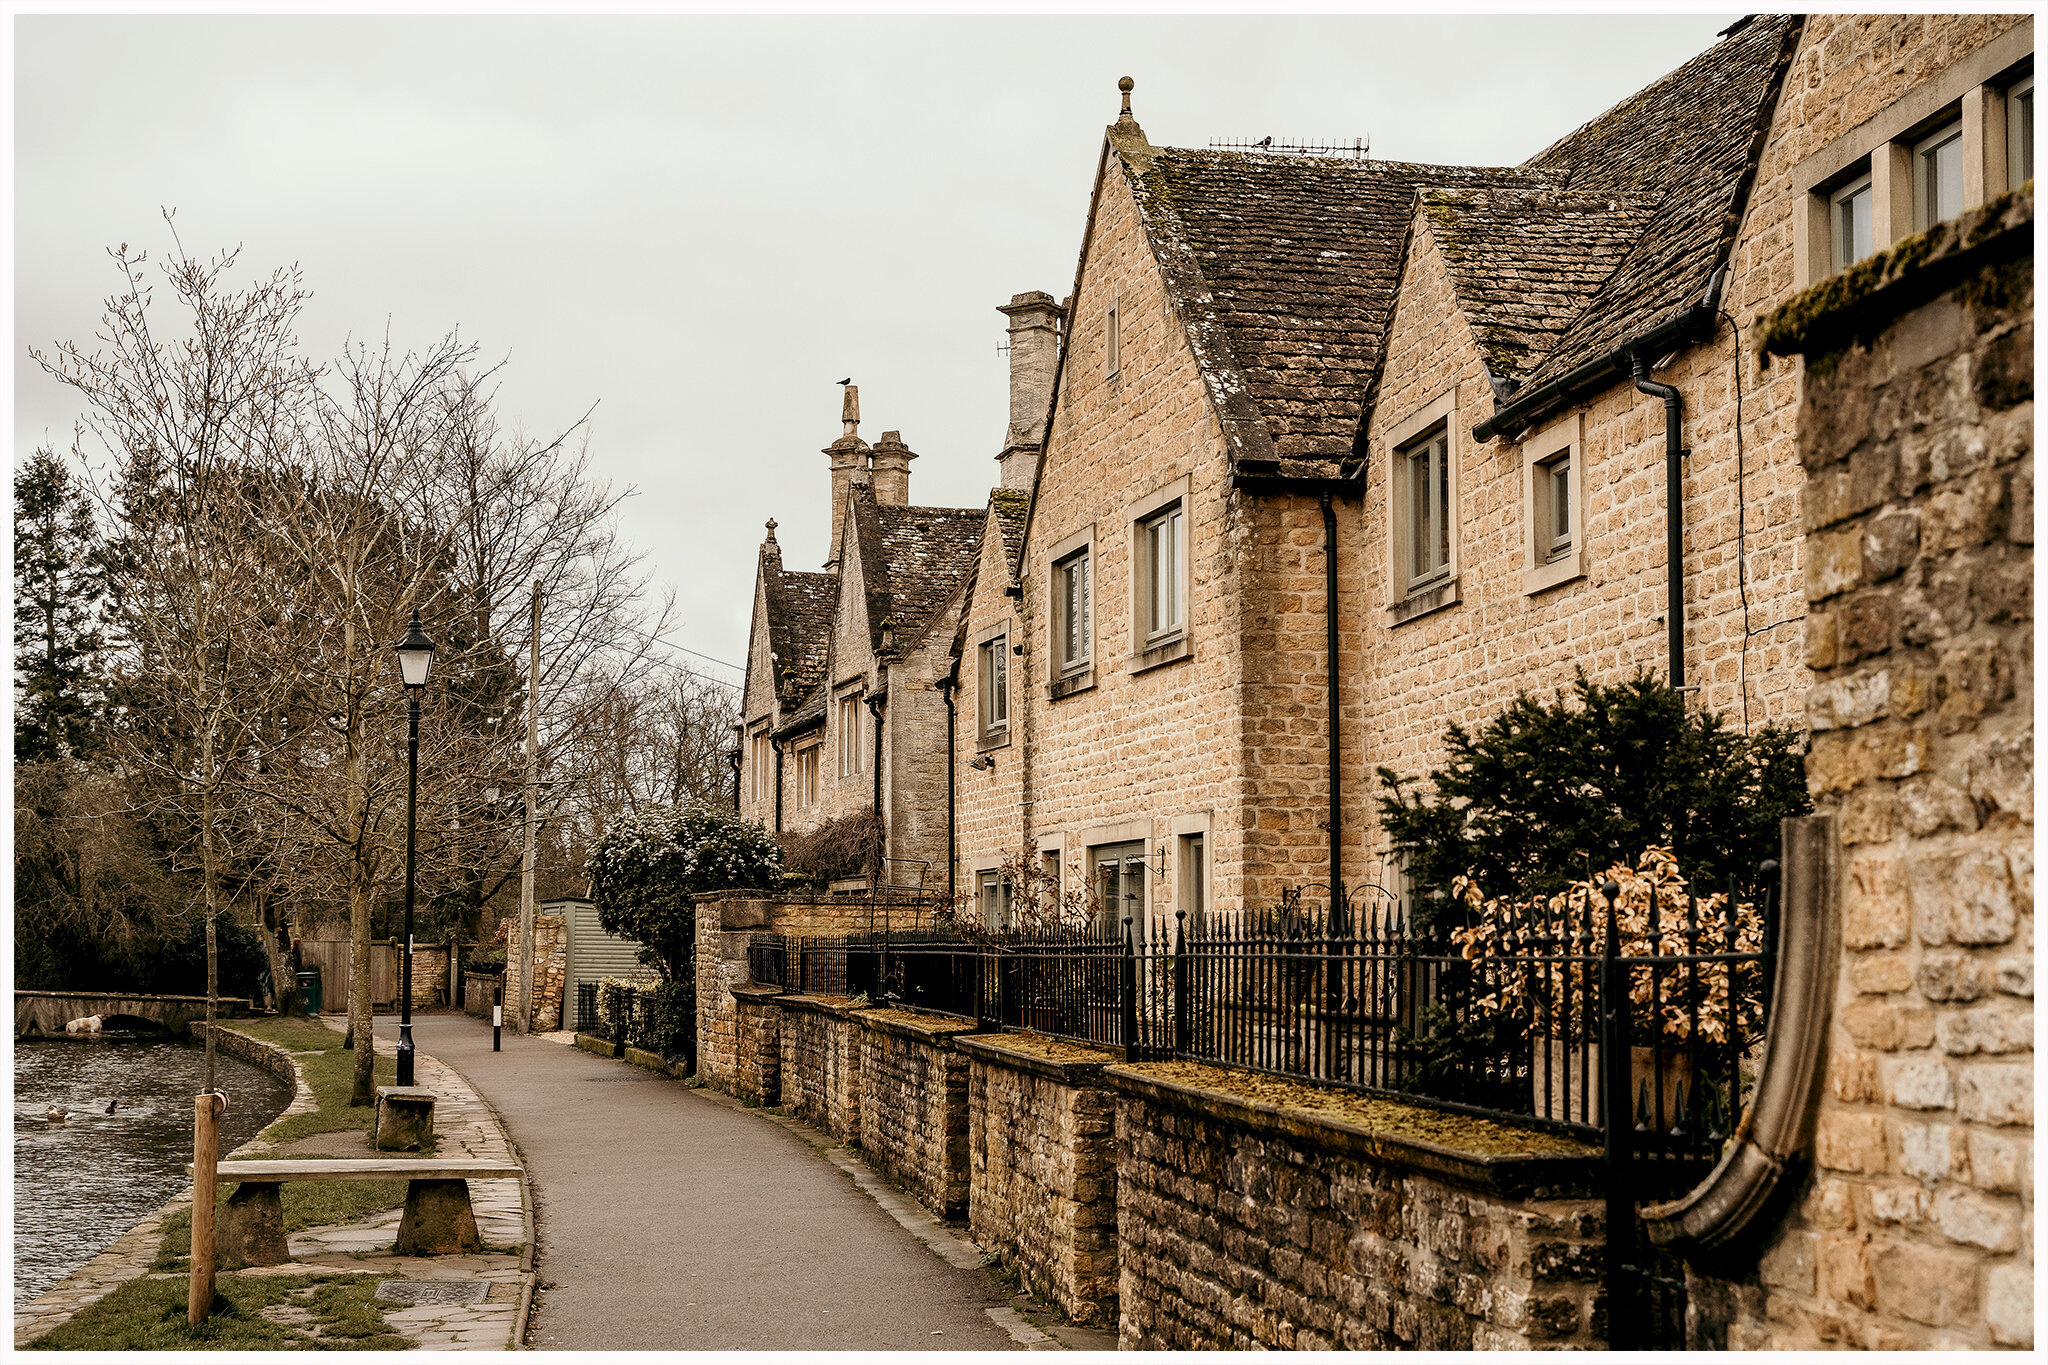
column 526, row 868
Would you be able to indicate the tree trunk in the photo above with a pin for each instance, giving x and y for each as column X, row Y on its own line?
column 210, row 874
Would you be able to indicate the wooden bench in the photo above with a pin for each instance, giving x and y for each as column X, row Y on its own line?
column 438, row 1218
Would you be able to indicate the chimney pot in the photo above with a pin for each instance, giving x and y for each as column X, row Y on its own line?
column 890, row 460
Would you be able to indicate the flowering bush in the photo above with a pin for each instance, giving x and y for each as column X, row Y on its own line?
column 647, row 871
column 1037, row 904
column 1573, row 924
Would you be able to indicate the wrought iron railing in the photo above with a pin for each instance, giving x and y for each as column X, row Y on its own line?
column 586, row 1007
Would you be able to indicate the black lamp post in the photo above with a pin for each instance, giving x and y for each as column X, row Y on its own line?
column 415, row 654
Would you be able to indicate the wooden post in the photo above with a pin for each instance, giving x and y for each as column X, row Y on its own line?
column 205, row 1161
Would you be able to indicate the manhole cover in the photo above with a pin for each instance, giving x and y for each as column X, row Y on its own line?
column 434, row 1291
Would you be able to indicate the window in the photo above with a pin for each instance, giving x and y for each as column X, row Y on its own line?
column 1424, row 468
column 1053, row 873
column 1113, row 342
column 849, row 735
column 1160, row 542
column 807, row 776
column 2019, row 132
column 1554, row 504
column 1120, row 885
column 761, row 766
column 1938, row 177
column 1854, row 230
column 992, row 672
column 1071, row 613
column 1194, row 877
column 992, row 894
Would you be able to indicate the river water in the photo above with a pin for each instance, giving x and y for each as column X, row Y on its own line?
column 83, row 1181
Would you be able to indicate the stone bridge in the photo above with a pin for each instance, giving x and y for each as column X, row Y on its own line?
column 43, row 1014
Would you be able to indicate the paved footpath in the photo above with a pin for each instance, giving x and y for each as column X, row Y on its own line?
column 668, row 1220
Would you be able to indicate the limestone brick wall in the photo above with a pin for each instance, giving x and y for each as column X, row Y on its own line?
column 1136, row 748
column 721, row 962
column 550, row 963
column 756, row 1067
column 913, row 1113
column 430, row 977
column 821, row 1055
column 914, row 769
column 1042, row 1169
column 1916, row 1227
column 1239, row 1231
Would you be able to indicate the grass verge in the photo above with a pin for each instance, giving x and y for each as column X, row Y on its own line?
column 330, row 1073
column 341, row 1314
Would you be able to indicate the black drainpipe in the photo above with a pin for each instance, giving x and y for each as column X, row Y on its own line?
column 1337, row 905
column 778, row 784
column 946, row 686
column 1674, row 512
column 875, row 705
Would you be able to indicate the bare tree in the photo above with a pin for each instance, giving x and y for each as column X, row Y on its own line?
column 180, row 421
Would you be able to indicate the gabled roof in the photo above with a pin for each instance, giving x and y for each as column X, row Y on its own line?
column 912, row 560
column 1297, row 261
column 1010, row 512
column 1284, row 269
column 1525, row 264
column 1694, row 138
column 800, row 609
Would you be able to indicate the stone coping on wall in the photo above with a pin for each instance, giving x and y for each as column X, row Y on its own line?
column 758, row 995
column 838, row 1006
column 939, row 1030
column 1496, row 1158
column 1052, row 1058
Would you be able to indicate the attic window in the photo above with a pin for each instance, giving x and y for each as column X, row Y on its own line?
column 1938, row 177
column 1850, row 217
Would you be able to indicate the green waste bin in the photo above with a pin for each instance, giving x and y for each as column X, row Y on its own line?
column 309, row 990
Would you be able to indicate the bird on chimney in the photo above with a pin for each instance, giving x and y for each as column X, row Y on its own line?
column 847, row 380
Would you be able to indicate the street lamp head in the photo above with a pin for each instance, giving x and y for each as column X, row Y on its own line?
column 415, row 653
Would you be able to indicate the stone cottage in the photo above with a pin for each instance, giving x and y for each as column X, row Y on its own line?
column 842, row 711
column 1421, row 437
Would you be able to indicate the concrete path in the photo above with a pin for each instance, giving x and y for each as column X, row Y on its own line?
column 667, row 1220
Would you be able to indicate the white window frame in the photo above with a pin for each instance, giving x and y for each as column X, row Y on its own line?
column 992, row 898
column 1841, row 223
column 1066, row 632
column 992, row 686
column 846, row 707
column 1152, row 646
column 1925, row 212
column 1162, row 548
column 1064, row 677
column 1544, row 567
column 1407, row 597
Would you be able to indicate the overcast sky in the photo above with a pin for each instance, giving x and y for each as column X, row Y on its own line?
column 699, row 224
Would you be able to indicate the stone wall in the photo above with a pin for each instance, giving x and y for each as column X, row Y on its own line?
column 755, row 1070
column 822, row 1045
column 429, row 977
column 913, row 1113
column 1914, row 1228
column 1042, row 1158
column 1243, row 1224
column 550, row 962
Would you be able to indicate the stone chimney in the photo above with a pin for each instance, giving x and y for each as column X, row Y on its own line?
column 890, row 463
column 849, row 456
column 1034, row 355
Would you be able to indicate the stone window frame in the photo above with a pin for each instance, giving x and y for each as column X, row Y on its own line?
column 1403, row 603
column 1147, row 653
column 810, row 759
column 1054, row 845
column 845, row 703
column 1133, row 831
column 979, row 865
column 987, row 735
column 1973, row 90
column 1062, row 681
column 2019, row 165
column 1541, row 572
column 1179, row 830
column 760, row 753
